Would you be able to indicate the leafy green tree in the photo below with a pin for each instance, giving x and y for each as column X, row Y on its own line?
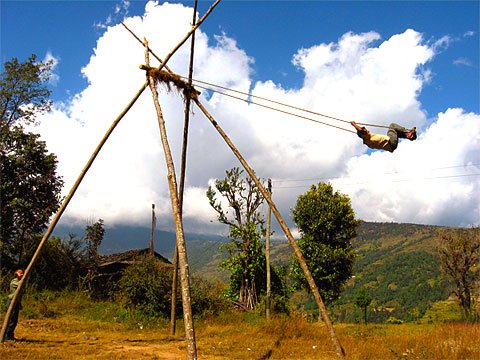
column 326, row 222
column 363, row 299
column 29, row 186
column 61, row 265
column 246, row 259
column 23, row 91
column 459, row 254
column 29, row 192
column 94, row 234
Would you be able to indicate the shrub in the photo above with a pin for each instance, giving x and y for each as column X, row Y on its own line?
column 207, row 297
column 146, row 286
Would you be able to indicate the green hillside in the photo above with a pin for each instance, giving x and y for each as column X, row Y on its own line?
column 395, row 263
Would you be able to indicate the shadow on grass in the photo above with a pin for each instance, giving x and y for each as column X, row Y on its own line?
column 269, row 353
column 31, row 341
column 161, row 340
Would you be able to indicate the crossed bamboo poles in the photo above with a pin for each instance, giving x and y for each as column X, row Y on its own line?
column 176, row 203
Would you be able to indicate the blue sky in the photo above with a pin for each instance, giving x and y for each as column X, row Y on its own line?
column 270, row 31
column 413, row 62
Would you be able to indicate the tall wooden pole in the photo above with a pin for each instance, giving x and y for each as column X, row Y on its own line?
column 182, row 176
column 323, row 310
column 267, row 253
column 62, row 208
column 195, row 26
column 152, row 231
column 182, row 250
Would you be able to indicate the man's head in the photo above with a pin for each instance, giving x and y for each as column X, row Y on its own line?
column 19, row 274
column 412, row 134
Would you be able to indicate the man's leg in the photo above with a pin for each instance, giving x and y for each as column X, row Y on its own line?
column 395, row 132
column 12, row 324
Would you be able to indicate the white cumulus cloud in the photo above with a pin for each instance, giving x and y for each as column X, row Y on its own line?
column 361, row 77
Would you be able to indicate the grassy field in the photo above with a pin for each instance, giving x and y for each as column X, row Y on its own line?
column 71, row 336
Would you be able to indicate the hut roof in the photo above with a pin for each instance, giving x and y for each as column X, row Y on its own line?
column 129, row 257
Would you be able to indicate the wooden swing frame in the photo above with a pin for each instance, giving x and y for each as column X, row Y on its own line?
column 176, row 195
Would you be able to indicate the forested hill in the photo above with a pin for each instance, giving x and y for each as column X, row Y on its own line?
column 396, row 263
column 393, row 237
column 375, row 243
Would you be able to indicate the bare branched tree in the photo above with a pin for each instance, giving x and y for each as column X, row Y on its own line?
column 243, row 217
column 459, row 254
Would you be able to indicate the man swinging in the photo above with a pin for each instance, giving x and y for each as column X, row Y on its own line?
column 387, row 142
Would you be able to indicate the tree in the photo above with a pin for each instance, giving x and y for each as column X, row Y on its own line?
column 94, row 234
column 363, row 300
column 246, row 258
column 29, row 186
column 29, row 192
column 326, row 222
column 23, row 91
column 459, row 254
column 62, row 264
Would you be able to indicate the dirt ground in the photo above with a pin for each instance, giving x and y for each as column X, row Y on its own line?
column 70, row 337
column 83, row 339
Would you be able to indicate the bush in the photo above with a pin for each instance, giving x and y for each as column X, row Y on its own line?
column 146, row 286
column 207, row 297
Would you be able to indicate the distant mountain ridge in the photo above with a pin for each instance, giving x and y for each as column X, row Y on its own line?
column 122, row 238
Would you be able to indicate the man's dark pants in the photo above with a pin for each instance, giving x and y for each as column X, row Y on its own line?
column 396, row 132
column 12, row 324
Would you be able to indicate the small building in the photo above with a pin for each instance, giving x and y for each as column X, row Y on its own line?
column 111, row 267
column 114, row 263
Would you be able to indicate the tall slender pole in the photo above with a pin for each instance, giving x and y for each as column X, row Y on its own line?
column 308, row 275
column 62, row 208
column 195, row 26
column 267, row 253
column 182, row 176
column 182, row 250
column 152, row 231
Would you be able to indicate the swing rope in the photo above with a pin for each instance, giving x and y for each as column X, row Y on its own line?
column 273, row 108
column 278, row 103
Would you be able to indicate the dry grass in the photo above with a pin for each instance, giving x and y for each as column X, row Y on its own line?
column 71, row 337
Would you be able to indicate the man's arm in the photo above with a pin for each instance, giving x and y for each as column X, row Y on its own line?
column 361, row 130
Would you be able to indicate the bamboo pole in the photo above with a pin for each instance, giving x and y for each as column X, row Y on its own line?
column 182, row 175
column 267, row 253
column 62, row 209
column 182, row 250
column 323, row 310
column 192, row 30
